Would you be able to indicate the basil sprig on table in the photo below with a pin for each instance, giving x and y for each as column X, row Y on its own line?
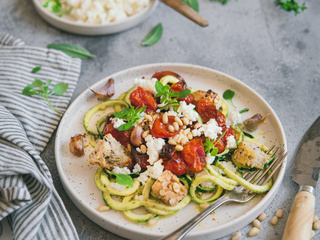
column 36, row 69
column 153, row 36
column 167, row 95
column 209, row 146
column 131, row 115
column 72, row 50
column 291, row 5
column 37, row 87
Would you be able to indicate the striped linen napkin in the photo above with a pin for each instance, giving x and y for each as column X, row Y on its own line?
column 27, row 195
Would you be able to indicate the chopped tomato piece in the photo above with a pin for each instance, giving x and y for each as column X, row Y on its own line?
column 172, row 160
column 194, row 155
column 229, row 132
column 160, row 130
column 141, row 98
column 207, row 111
column 220, row 145
column 121, row 136
column 159, row 75
column 140, row 158
column 178, row 87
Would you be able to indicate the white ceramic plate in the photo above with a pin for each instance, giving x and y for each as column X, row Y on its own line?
column 78, row 177
column 94, row 29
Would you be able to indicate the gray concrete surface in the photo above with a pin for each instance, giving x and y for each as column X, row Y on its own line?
column 273, row 51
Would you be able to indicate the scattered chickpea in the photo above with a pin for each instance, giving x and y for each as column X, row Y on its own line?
column 143, row 149
column 312, row 234
column 165, row 118
column 236, row 236
column 171, row 128
column 256, row 223
column 262, row 217
column 145, row 133
column 315, row 218
column 103, row 208
column 274, row 220
column 316, row 225
column 179, row 148
column 254, row 232
column 172, row 142
column 152, row 221
column 279, row 213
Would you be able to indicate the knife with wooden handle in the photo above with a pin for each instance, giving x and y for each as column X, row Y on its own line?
column 305, row 173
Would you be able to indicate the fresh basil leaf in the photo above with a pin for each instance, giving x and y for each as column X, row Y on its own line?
column 60, row 88
column 153, row 36
column 228, row 95
column 193, row 4
column 291, row 5
column 158, row 86
column 126, row 126
column 184, row 93
column 124, row 180
column 247, row 134
column 36, row 69
column 244, row 110
column 214, row 151
column 72, row 50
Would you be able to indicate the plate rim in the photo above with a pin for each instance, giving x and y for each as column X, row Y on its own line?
column 263, row 203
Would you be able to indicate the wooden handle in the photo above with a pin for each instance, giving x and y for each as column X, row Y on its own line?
column 186, row 11
column 299, row 224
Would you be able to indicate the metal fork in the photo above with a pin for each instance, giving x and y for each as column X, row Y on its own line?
column 238, row 194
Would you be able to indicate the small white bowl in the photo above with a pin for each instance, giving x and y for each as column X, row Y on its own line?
column 94, row 29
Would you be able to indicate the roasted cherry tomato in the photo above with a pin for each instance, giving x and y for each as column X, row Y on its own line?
column 220, row 145
column 141, row 159
column 194, row 156
column 229, row 132
column 207, row 111
column 178, row 87
column 160, row 130
column 141, row 98
column 159, row 75
column 122, row 136
column 172, row 160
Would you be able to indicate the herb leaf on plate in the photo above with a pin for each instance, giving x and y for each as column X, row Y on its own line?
column 167, row 95
column 131, row 115
column 244, row 110
column 124, row 180
column 153, row 36
column 209, row 145
column 72, row 50
column 228, row 95
column 193, row 4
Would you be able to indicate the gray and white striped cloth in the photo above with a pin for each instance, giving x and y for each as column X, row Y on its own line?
column 28, row 198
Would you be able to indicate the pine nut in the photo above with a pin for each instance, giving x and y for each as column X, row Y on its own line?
column 171, row 128
column 178, row 120
column 185, row 132
column 152, row 221
column 172, row 142
column 103, row 208
column 184, row 140
column 190, row 136
column 165, row 118
column 175, row 138
column 262, row 217
column 274, row 220
column 148, row 117
column 129, row 147
column 176, row 187
column 312, row 234
column 197, row 125
column 315, row 218
column 154, row 117
column 184, row 126
column 204, row 205
column 236, row 236
column 279, row 213
column 256, row 223
column 185, row 121
column 179, row 139
column 176, row 126
column 145, row 133
column 143, row 149
column 188, row 117
column 254, row 232
column 316, row 225
column 178, row 148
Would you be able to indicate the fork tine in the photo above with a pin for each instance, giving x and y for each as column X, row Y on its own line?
column 275, row 169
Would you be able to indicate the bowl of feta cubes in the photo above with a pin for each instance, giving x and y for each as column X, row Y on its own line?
column 94, row 17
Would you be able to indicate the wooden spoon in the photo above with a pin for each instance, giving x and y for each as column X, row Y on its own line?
column 186, row 11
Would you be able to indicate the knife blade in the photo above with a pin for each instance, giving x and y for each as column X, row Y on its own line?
column 305, row 173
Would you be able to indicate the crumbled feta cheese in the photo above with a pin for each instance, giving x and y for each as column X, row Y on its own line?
column 147, row 84
column 197, row 132
column 233, row 118
column 172, row 113
column 117, row 122
column 136, row 168
column 118, row 170
column 154, row 145
column 154, row 171
column 209, row 158
column 231, row 142
column 117, row 186
column 211, row 129
column 188, row 109
column 140, row 197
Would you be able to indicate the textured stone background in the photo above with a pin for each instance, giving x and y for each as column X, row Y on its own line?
column 273, row 51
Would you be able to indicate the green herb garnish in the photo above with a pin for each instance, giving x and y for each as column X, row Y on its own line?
column 36, row 69
column 131, row 115
column 153, row 36
column 291, row 5
column 55, row 5
column 37, row 87
column 167, row 95
column 247, row 134
column 221, row 1
column 228, row 95
column 124, row 180
column 244, row 110
column 209, row 146
column 71, row 50
column 193, row 4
